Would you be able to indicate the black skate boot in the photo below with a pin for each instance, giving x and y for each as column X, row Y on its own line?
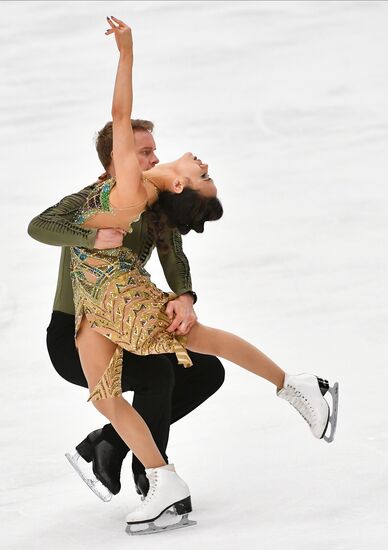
column 106, row 464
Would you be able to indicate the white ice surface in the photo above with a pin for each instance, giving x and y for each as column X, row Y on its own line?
column 287, row 101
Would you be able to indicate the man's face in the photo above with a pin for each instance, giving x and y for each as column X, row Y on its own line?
column 145, row 149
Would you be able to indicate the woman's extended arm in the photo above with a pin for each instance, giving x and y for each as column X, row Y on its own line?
column 129, row 188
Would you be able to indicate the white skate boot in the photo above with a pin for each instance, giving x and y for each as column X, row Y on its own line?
column 305, row 393
column 167, row 490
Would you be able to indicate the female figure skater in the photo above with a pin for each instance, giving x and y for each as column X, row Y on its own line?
column 117, row 306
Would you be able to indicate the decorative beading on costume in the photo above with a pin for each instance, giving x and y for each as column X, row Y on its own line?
column 115, row 293
column 98, row 202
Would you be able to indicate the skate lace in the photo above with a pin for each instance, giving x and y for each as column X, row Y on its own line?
column 153, row 479
column 301, row 404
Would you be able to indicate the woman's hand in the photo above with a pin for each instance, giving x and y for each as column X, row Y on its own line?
column 123, row 34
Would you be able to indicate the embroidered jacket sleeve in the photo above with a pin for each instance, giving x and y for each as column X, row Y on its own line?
column 176, row 266
column 55, row 225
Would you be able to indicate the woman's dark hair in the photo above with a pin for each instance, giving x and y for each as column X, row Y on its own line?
column 184, row 211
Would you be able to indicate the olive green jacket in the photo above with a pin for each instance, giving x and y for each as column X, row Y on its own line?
column 55, row 226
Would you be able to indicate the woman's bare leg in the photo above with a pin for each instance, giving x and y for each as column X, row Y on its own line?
column 95, row 351
column 212, row 341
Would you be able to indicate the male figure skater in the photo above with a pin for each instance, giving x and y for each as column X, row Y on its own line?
column 164, row 392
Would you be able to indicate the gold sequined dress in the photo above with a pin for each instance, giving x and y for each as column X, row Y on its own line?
column 115, row 293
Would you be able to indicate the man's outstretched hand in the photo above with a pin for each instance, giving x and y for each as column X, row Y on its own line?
column 109, row 238
column 183, row 315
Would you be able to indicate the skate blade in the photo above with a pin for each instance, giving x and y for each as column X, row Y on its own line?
column 88, row 477
column 160, row 525
column 334, row 413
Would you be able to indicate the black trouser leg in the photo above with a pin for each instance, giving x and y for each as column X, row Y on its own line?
column 61, row 348
column 195, row 384
column 172, row 401
column 150, row 377
column 154, row 383
column 164, row 391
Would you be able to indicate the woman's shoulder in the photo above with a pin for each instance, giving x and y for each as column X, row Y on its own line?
column 96, row 200
column 113, row 200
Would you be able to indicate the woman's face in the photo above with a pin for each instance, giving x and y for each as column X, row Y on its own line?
column 193, row 168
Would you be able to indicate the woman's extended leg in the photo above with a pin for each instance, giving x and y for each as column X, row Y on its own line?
column 95, row 351
column 212, row 341
column 305, row 392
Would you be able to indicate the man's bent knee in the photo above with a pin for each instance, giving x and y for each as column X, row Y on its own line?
column 216, row 372
column 211, row 370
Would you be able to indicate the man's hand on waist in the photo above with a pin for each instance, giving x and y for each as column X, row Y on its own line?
column 183, row 315
column 109, row 238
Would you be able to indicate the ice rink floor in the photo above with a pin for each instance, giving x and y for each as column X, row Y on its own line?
column 287, row 102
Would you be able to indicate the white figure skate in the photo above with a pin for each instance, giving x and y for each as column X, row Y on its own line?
column 167, row 493
column 305, row 393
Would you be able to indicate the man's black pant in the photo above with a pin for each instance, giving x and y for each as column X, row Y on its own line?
column 164, row 391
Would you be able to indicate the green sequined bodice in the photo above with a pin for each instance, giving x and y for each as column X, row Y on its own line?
column 97, row 201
